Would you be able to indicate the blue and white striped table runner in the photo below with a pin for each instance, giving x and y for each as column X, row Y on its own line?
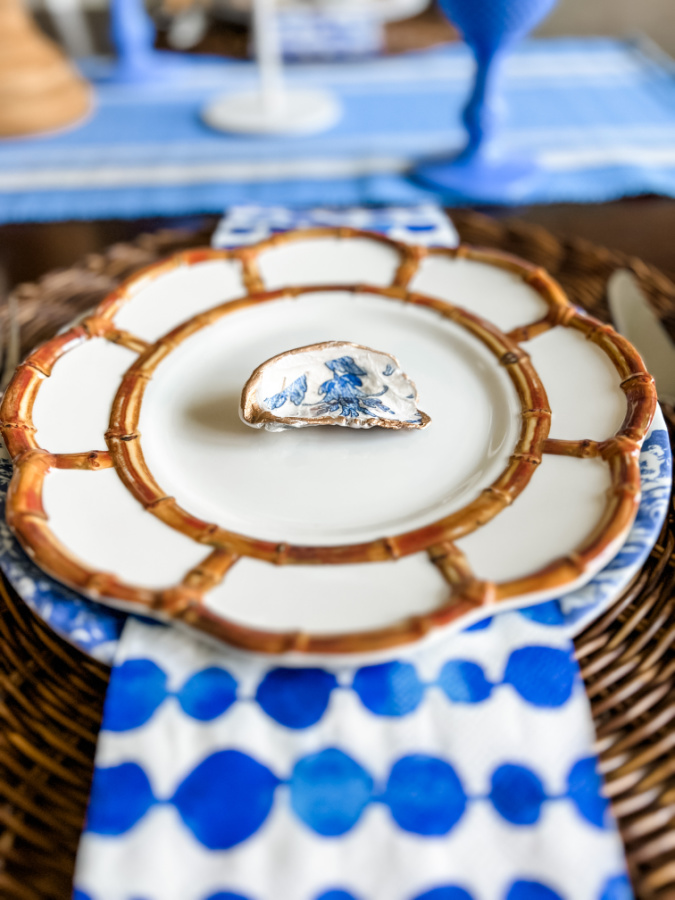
column 598, row 116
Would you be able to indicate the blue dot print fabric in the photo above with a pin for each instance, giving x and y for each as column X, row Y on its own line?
column 461, row 768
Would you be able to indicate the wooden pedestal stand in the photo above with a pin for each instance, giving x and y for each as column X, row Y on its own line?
column 39, row 89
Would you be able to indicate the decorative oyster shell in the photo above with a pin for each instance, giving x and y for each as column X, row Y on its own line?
column 335, row 383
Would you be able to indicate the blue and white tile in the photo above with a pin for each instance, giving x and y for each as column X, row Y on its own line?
column 426, row 224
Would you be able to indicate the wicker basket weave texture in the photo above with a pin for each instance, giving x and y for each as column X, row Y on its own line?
column 51, row 695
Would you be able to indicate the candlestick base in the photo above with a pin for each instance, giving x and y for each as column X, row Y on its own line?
column 298, row 112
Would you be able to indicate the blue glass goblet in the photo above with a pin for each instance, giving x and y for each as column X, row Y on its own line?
column 489, row 28
column 132, row 34
column 133, row 37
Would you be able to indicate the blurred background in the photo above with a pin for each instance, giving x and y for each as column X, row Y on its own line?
column 639, row 106
column 654, row 18
column 223, row 27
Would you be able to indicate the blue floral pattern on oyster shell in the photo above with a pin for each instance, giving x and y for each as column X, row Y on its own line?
column 295, row 392
column 343, row 394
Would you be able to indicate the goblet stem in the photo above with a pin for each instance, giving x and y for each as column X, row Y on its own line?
column 483, row 111
column 132, row 34
column 272, row 108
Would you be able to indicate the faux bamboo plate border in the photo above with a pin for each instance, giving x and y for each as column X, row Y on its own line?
column 53, row 694
column 184, row 602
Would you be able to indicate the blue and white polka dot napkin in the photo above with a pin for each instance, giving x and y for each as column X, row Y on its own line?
column 464, row 771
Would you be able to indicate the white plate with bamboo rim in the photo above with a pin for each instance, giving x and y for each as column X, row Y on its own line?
column 137, row 483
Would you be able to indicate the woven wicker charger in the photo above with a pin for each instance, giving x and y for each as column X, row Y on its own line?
column 52, row 695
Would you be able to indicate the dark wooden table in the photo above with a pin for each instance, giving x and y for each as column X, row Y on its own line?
column 644, row 227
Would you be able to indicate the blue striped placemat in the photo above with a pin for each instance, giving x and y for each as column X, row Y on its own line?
column 598, row 115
